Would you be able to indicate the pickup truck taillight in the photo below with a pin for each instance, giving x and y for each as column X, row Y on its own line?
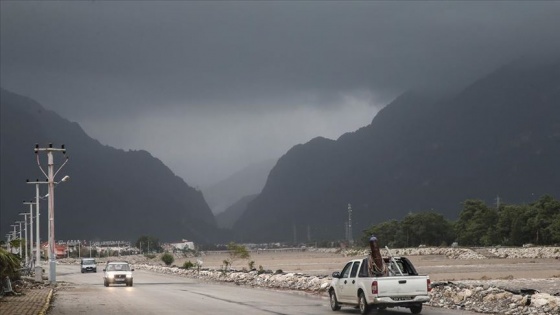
column 429, row 285
column 374, row 288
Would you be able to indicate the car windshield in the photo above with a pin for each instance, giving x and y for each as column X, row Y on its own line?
column 88, row 261
column 118, row 267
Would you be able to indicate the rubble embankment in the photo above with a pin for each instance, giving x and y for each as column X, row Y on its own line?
column 469, row 253
column 479, row 296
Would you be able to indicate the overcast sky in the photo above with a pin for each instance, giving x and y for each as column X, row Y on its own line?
column 210, row 87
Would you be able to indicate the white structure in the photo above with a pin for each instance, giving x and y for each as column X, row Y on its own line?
column 183, row 245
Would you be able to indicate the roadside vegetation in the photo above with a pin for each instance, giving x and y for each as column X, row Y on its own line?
column 236, row 252
column 167, row 258
column 9, row 264
column 478, row 225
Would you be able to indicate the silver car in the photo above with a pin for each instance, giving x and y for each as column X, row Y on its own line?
column 88, row 264
column 117, row 272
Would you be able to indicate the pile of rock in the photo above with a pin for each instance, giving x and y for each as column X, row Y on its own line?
column 289, row 281
column 490, row 299
column 449, row 252
column 467, row 253
column 526, row 252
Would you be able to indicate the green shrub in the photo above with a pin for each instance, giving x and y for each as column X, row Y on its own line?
column 251, row 265
column 188, row 265
column 167, row 258
column 9, row 263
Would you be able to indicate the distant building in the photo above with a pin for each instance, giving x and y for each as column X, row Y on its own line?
column 61, row 250
column 183, row 245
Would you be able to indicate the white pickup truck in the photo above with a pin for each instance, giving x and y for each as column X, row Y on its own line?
column 401, row 287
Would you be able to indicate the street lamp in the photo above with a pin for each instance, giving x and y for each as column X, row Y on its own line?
column 38, row 268
column 51, row 183
column 25, row 237
column 31, row 203
column 14, row 233
column 20, row 247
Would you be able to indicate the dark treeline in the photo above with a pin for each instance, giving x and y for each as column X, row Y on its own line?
column 478, row 225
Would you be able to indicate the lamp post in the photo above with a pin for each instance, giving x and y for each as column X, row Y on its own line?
column 14, row 235
column 38, row 268
column 51, row 183
column 20, row 247
column 24, row 214
column 31, row 203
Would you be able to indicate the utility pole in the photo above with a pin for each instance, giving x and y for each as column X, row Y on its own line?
column 350, row 238
column 24, row 214
column 20, row 240
column 51, row 183
column 30, row 203
column 14, row 234
column 498, row 202
column 38, row 268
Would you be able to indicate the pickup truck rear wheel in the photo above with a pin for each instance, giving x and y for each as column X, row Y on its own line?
column 416, row 309
column 364, row 307
column 334, row 301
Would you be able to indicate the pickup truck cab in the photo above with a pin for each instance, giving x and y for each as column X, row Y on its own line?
column 401, row 287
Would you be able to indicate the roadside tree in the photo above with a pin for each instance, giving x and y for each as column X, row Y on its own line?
column 237, row 251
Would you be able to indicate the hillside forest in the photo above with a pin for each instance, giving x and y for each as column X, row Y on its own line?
column 478, row 224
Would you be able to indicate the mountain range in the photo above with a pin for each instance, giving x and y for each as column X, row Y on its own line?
column 112, row 194
column 498, row 137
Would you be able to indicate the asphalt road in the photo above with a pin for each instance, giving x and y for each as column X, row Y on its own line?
column 155, row 293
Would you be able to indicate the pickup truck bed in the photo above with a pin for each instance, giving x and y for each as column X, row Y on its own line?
column 402, row 287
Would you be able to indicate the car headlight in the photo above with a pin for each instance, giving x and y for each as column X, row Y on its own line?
column 110, row 276
column 129, row 275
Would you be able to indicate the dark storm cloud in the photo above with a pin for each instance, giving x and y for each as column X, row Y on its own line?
column 103, row 62
column 216, row 53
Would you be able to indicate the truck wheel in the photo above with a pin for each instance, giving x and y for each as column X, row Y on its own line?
column 105, row 283
column 364, row 307
column 129, row 283
column 416, row 309
column 334, row 301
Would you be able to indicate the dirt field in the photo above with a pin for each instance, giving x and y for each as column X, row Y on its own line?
column 542, row 274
